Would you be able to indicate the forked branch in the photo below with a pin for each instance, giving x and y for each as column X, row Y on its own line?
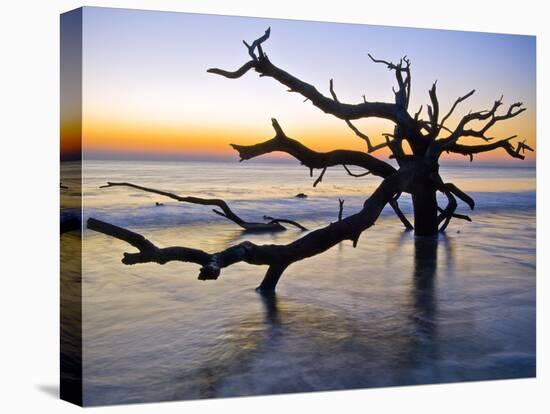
column 505, row 144
column 364, row 137
column 449, row 212
column 273, row 220
column 312, row 159
column 403, row 77
column 489, row 116
column 357, row 175
column 455, row 104
column 395, row 112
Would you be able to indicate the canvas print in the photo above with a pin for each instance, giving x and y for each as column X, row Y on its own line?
column 263, row 206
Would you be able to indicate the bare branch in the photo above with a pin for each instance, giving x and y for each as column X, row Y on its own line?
column 459, row 100
column 402, row 94
column 226, row 211
column 449, row 212
column 256, row 44
column 390, row 65
column 428, row 126
column 233, row 74
column 148, row 252
column 522, row 147
column 457, row 215
column 417, row 114
column 395, row 206
column 353, row 174
column 451, row 188
column 340, row 209
column 391, row 111
column 505, row 144
column 370, row 147
column 280, row 220
column 313, row 159
column 433, row 112
column 396, row 145
column 320, row 178
column 490, row 116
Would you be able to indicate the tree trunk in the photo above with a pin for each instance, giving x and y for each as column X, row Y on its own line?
column 425, row 211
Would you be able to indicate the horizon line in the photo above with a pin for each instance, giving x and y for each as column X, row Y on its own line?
column 288, row 161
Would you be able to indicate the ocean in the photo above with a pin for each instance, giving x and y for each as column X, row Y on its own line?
column 396, row 310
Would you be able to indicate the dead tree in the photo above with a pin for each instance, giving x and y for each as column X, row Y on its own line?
column 416, row 173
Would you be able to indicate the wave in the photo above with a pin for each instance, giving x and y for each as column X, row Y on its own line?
column 312, row 209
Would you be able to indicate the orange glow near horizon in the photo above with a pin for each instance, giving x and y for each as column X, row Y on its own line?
column 71, row 136
column 148, row 136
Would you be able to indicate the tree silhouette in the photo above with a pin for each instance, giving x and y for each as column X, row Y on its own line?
column 417, row 172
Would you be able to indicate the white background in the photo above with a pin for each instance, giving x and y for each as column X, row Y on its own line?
column 29, row 146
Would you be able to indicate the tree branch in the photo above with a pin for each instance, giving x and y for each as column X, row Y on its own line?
column 226, row 211
column 490, row 116
column 395, row 206
column 263, row 66
column 280, row 220
column 353, row 174
column 433, row 113
column 402, row 94
column 257, row 44
column 455, row 104
column 313, row 159
column 320, row 178
column 449, row 212
column 340, row 208
column 364, row 137
column 233, row 74
column 460, row 194
column 505, row 144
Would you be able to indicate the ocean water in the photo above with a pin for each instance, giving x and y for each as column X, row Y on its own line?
column 396, row 310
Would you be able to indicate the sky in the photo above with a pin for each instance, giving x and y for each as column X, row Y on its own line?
column 146, row 92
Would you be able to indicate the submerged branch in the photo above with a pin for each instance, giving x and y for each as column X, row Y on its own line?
column 273, row 225
column 449, row 212
column 395, row 206
column 280, row 220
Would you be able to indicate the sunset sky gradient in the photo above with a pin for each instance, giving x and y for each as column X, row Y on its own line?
column 146, row 92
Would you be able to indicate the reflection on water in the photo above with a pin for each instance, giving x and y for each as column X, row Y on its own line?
column 396, row 310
